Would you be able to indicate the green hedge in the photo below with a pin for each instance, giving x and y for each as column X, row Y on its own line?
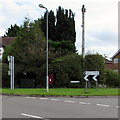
column 112, row 79
column 66, row 69
column 70, row 68
column 5, row 77
column 95, row 62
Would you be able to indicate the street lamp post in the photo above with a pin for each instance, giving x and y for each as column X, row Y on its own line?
column 47, row 83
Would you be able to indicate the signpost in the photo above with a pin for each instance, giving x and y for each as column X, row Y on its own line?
column 88, row 73
column 11, row 71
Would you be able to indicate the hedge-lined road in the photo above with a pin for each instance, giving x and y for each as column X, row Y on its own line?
column 59, row 107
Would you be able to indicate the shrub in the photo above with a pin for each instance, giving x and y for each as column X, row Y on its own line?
column 95, row 62
column 66, row 69
column 5, row 77
column 112, row 78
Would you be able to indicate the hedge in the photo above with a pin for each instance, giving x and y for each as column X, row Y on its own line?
column 112, row 79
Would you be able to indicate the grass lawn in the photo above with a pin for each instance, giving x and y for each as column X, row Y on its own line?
column 64, row 92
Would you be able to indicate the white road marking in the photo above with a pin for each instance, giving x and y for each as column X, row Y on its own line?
column 84, row 103
column 55, row 99
column 30, row 97
column 33, row 116
column 103, row 105
column 69, row 101
column 117, row 106
column 44, row 98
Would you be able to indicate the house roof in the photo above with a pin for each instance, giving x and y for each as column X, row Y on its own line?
column 6, row 41
column 108, row 61
column 116, row 54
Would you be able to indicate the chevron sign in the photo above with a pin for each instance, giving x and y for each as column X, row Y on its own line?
column 95, row 73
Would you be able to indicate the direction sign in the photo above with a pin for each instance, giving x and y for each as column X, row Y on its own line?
column 94, row 78
column 95, row 73
column 86, row 78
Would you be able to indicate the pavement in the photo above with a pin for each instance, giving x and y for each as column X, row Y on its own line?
column 46, row 108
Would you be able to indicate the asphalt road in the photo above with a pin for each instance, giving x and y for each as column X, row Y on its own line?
column 58, row 107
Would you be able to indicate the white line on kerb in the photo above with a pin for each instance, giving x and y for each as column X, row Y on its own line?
column 69, row 101
column 55, row 99
column 24, row 114
column 103, row 105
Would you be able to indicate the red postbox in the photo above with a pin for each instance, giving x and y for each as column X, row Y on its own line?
column 51, row 79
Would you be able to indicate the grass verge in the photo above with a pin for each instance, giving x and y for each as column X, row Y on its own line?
column 63, row 92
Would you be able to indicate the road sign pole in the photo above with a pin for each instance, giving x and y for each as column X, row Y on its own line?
column 11, row 81
column 13, row 71
column 86, row 85
column 96, row 84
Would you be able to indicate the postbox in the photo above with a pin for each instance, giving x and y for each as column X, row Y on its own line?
column 51, row 79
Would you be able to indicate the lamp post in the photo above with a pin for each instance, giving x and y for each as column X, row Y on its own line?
column 47, row 84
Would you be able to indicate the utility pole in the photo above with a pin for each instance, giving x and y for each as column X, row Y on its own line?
column 83, row 41
column 83, row 30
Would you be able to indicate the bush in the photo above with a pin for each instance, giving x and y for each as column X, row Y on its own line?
column 112, row 78
column 66, row 69
column 95, row 62
column 5, row 77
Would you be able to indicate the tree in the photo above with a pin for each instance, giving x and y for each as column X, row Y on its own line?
column 12, row 31
column 28, row 49
column 65, row 25
column 51, row 25
column 61, row 30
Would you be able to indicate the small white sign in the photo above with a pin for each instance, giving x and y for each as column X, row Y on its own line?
column 74, row 81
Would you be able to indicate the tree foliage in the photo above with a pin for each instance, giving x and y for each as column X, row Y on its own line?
column 61, row 28
column 95, row 62
column 66, row 69
column 12, row 31
column 112, row 79
column 51, row 25
column 28, row 49
column 65, row 25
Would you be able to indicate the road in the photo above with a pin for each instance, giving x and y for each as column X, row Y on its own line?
column 58, row 107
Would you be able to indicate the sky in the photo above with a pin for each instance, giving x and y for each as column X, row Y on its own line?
column 101, row 20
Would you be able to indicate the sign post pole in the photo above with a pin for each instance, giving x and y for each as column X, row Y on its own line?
column 96, row 84
column 86, row 86
column 11, row 71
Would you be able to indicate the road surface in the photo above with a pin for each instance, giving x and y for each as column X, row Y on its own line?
column 58, row 107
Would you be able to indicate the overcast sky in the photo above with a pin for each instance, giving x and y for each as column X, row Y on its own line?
column 101, row 20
